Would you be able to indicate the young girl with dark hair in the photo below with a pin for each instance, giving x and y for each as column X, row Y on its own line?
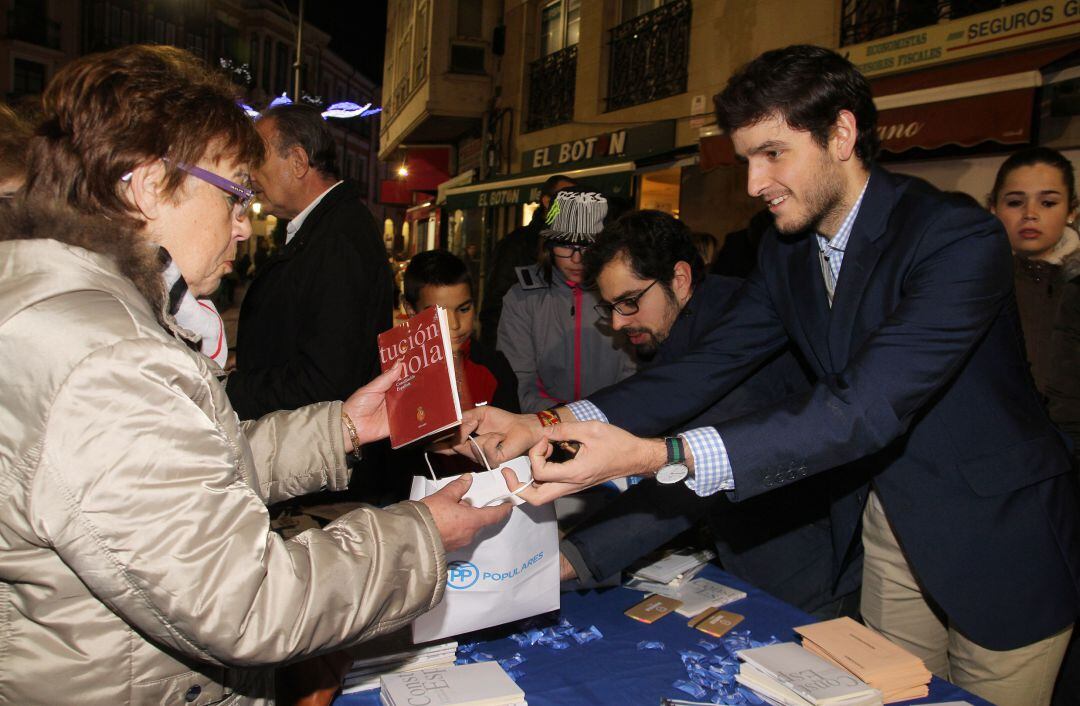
column 1035, row 197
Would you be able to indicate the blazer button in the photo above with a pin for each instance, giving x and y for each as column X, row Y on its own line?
column 193, row 693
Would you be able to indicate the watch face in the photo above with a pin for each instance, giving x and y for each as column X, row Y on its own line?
column 672, row 473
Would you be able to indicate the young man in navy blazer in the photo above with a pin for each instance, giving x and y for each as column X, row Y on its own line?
column 901, row 300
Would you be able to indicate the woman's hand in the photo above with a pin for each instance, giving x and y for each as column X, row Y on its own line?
column 367, row 409
column 457, row 521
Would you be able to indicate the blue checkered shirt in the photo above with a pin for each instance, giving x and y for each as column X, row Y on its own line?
column 712, row 466
column 832, row 250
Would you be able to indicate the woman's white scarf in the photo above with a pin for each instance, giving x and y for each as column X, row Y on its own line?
column 198, row 316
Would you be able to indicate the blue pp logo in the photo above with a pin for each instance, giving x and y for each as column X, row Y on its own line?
column 461, row 574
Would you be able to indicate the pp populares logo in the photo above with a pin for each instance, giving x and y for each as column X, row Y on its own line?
column 461, row 574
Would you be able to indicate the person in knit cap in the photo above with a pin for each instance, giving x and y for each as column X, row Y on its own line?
column 555, row 341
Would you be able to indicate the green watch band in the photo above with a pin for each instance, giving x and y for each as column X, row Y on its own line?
column 674, row 450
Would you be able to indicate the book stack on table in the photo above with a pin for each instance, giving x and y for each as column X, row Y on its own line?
column 479, row 684
column 368, row 670
column 673, row 577
column 870, row 656
column 673, row 570
column 789, row 675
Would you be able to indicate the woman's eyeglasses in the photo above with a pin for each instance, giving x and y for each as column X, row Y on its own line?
column 627, row 306
column 239, row 197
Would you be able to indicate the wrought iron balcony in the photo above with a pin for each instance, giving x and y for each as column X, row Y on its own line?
column 551, row 89
column 865, row 20
column 33, row 27
column 649, row 56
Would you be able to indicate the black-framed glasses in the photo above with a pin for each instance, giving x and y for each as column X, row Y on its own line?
column 573, row 248
column 240, row 196
column 627, row 306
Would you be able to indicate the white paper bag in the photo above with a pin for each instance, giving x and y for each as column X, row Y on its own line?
column 509, row 572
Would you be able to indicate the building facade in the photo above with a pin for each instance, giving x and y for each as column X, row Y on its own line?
column 36, row 39
column 253, row 40
column 619, row 93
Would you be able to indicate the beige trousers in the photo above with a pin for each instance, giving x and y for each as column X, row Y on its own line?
column 894, row 605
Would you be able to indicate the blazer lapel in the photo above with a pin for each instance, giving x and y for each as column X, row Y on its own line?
column 809, row 297
column 299, row 241
column 863, row 251
column 310, row 225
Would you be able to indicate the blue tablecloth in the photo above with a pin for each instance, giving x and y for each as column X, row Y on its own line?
column 614, row 671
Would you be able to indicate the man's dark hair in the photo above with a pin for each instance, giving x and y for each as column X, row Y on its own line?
column 437, row 268
column 652, row 242
column 548, row 189
column 805, row 85
column 303, row 125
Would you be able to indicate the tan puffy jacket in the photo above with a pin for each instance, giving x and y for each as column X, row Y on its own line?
column 136, row 561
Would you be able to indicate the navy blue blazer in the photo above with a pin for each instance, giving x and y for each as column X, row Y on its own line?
column 922, row 386
column 779, row 541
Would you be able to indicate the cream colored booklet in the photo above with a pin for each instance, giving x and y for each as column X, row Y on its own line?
column 479, row 684
column 787, row 667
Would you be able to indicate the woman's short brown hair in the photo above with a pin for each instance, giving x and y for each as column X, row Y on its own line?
column 105, row 114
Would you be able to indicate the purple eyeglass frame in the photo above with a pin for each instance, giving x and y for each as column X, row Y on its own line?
column 245, row 195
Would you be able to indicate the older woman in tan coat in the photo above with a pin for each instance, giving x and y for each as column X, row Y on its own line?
column 136, row 560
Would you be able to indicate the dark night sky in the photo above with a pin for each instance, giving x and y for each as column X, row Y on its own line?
column 357, row 29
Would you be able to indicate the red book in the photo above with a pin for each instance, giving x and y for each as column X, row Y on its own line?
column 424, row 401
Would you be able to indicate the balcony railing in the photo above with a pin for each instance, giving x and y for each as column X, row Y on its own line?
column 551, row 89
column 33, row 27
column 649, row 56
column 866, row 20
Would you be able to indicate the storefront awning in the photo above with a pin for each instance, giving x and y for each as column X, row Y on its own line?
column 613, row 179
column 1003, row 118
column 965, row 104
column 985, row 101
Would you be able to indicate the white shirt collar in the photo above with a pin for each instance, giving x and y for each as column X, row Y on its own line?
column 294, row 225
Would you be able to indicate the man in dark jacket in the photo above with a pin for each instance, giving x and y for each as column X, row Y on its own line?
column 780, row 542
column 308, row 324
column 519, row 248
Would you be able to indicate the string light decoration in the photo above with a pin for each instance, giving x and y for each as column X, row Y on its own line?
column 240, row 73
column 343, row 110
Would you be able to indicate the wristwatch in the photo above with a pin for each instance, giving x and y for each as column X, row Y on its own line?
column 675, row 469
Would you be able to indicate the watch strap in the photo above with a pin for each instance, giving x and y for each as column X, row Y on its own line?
column 675, row 452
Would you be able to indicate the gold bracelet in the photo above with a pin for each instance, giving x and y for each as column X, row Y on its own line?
column 353, row 436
